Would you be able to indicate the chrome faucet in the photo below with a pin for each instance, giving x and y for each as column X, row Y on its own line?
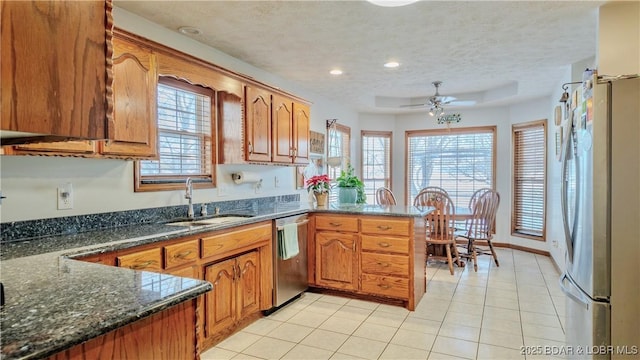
column 189, row 195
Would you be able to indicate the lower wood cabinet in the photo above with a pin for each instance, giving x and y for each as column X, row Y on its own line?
column 237, row 261
column 336, row 260
column 378, row 256
column 235, row 294
column 167, row 335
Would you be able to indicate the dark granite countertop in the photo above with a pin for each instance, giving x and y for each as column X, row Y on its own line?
column 393, row 210
column 54, row 302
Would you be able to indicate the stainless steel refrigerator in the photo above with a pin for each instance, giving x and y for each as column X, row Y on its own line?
column 601, row 213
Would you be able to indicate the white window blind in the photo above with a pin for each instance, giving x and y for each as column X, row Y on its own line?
column 460, row 161
column 338, row 147
column 376, row 162
column 529, row 174
column 184, row 135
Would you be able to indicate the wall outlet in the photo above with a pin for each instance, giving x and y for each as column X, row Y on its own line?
column 554, row 243
column 65, row 196
column 222, row 190
column 276, row 182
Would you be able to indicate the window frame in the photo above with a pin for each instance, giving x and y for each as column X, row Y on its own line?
column 514, row 196
column 459, row 131
column 384, row 134
column 199, row 181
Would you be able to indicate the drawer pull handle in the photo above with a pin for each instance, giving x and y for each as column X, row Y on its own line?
column 335, row 224
column 384, row 244
column 182, row 255
column 383, row 264
column 143, row 265
column 384, row 286
column 384, row 227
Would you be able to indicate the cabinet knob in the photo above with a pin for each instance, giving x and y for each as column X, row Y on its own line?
column 384, row 227
column 384, row 286
column 335, row 224
column 384, row 244
column 383, row 264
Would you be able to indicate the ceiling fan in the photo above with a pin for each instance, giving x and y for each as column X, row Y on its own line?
column 436, row 101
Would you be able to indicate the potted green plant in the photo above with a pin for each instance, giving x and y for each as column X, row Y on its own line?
column 350, row 187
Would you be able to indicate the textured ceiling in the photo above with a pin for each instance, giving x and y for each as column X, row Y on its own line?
column 491, row 52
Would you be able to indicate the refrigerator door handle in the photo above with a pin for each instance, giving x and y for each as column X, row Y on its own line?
column 578, row 298
column 563, row 198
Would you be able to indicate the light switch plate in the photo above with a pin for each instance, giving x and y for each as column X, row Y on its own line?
column 65, row 196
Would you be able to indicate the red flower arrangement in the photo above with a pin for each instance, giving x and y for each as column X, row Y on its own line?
column 318, row 184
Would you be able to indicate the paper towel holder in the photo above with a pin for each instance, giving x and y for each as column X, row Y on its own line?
column 236, row 176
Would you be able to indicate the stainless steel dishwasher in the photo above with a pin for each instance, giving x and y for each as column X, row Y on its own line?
column 289, row 276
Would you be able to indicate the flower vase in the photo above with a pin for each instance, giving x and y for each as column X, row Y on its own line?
column 347, row 195
column 321, row 199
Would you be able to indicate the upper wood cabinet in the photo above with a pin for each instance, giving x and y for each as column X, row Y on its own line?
column 301, row 125
column 55, row 69
column 133, row 129
column 257, row 124
column 290, row 133
column 282, row 129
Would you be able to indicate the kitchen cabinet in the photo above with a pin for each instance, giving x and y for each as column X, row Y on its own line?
column 167, row 335
column 257, row 124
column 290, row 135
column 237, row 260
column 133, row 128
column 371, row 256
column 235, row 293
column 337, row 260
column 56, row 72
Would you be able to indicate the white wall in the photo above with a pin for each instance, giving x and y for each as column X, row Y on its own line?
column 99, row 185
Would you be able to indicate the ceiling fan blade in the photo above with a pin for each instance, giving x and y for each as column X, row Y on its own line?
column 461, row 102
column 414, row 105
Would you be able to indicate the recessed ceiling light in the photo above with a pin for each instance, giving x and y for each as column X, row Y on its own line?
column 335, row 72
column 392, row 3
column 392, row 64
column 190, row 30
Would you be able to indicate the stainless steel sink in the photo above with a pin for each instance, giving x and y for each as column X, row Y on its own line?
column 218, row 220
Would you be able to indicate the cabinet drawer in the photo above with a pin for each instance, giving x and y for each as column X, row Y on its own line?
column 386, row 285
column 143, row 260
column 386, row 244
column 337, row 223
column 397, row 265
column 180, row 254
column 385, row 226
column 218, row 244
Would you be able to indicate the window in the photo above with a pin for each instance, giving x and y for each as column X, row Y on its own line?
column 338, row 152
column 185, row 142
column 459, row 160
column 529, row 180
column 376, row 162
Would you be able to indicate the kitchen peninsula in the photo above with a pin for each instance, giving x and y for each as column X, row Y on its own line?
column 55, row 302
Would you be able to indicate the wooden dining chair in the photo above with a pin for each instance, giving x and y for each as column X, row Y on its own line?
column 384, row 197
column 480, row 227
column 422, row 198
column 440, row 227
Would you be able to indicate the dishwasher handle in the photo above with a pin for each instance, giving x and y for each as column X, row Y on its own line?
column 297, row 223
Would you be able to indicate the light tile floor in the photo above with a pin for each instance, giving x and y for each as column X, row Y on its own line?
column 490, row 314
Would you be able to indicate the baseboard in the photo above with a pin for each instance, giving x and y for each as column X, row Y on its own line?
column 512, row 246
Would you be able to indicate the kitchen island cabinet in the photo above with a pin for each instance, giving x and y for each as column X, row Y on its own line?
column 369, row 253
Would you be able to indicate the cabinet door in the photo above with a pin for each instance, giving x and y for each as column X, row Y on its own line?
column 258, row 124
column 133, row 129
column 220, row 303
column 248, row 284
column 230, row 128
column 337, row 260
column 54, row 67
column 282, row 129
column 301, row 121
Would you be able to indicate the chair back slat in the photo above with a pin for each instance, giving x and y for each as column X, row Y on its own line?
column 384, row 197
column 481, row 224
column 439, row 222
